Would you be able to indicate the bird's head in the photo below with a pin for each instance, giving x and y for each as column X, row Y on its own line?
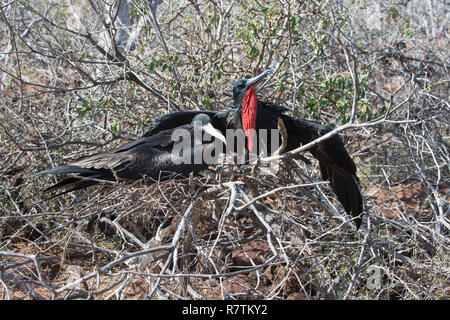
column 244, row 97
column 204, row 121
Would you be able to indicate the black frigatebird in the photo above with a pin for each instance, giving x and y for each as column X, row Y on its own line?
column 151, row 157
column 250, row 114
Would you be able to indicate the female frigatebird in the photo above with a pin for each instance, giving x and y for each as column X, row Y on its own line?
column 251, row 114
column 151, row 157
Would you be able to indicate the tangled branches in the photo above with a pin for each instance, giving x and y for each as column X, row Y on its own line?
column 73, row 83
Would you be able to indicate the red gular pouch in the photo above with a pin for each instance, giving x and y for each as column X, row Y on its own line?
column 249, row 112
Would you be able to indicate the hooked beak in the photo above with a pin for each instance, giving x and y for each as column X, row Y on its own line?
column 253, row 81
column 209, row 129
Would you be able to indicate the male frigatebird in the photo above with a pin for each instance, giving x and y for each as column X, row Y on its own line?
column 151, row 157
column 250, row 114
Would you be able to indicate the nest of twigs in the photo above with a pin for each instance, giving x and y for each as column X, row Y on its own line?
column 223, row 233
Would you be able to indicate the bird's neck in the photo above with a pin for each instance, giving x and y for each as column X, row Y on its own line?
column 249, row 113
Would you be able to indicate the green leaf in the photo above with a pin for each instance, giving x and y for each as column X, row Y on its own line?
column 253, row 51
column 394, row 13
column 151, row 67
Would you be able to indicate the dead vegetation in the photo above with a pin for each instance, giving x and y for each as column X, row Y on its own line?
column 73, row 83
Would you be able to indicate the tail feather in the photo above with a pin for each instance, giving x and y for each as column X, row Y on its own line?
column 80, row 179
column 66, row 170
column 62, row 183
column 81, row 185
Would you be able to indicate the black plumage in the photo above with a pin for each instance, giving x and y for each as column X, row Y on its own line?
column 150, row 156
column 335, row 163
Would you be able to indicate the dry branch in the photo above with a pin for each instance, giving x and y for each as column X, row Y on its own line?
column 379, row 77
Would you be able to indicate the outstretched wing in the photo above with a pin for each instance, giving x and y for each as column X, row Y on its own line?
column 336, row 165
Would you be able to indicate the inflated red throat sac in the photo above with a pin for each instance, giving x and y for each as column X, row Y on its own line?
column 249, row 112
